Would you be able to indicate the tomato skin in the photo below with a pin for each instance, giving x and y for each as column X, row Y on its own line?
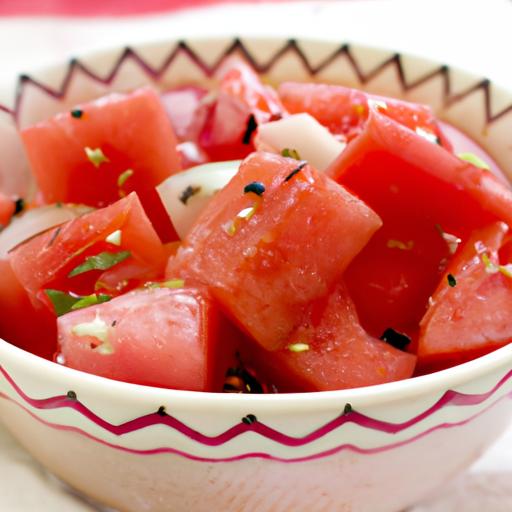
column 161, row 337
column 473, row 317
column 133, row 132
column 46, row 260
column 32, row 329
column 340, row 353
column 412, row 185
column 262, row 272
column 241, row 94
column 345, row 111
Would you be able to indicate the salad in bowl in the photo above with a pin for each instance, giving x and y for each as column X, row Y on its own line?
column 222, row 250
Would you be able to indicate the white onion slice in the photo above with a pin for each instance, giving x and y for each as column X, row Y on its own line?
column 33, row 222
column 204, row 181
column 305, row 134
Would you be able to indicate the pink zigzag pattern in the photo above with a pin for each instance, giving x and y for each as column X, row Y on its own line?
column 292, row 45
column 450, row 398
column 261, row 455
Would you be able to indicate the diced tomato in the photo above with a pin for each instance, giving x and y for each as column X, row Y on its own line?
column 345, row 111
column 7, row 208
column 21, row 323
column 162, row 337
column 45, row 262
column 424, row 194
column 332, row 351
column 183, row 106
column 267, row 257
column 471, row 309
column 135, row 150
column 241, row 95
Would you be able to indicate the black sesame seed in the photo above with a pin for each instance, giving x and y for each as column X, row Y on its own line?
column 256, row 187
column 249, row 419
column 19, row 206
column 252, row 125
column 395, row 339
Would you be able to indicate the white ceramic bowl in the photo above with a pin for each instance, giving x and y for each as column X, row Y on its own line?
column 305, row 452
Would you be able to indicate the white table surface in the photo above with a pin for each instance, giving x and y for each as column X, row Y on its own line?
column 475, row 34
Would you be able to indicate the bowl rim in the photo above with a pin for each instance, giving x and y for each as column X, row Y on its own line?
column 437, row 382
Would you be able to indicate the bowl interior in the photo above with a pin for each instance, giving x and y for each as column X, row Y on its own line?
column 470, row 103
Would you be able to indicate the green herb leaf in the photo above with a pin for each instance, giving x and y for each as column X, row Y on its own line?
column 62, row 302
column 475, row 160
column 65, row 302
column 291, row 153
column 90, row 300
column 102, row 261
column 451, row 280
column 77, row 113
column 96, row 156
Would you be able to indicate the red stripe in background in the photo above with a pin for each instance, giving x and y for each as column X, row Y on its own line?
column 100, row 7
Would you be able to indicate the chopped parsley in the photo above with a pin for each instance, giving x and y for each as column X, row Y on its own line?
column 474, row 160
column 101, row 261
column 451, row 280
column 256, row 187
column 71, row 395
column 77, row 113
column 298, row 347
column 96, row 156
column 348, row 408
column 123, row 177
column 398, row 244
column 174, row 283
column 395, row 339
column 290, row 153
column 295, row 171
column 252, row 125
column 189, row 192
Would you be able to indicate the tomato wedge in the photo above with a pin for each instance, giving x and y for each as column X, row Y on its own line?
column 471, row 309
column 121, row 231
column 255, row 252
column 345, row 111
column 330, row 351
column 105, row 149
column 161, row 337
column 426, row 196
